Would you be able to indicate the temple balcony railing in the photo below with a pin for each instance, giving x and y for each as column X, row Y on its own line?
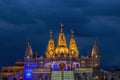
column 83, row 70
column 12, row 68
column 7, row 74
column 41, row 70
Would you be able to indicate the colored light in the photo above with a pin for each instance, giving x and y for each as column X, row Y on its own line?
column 28, row 74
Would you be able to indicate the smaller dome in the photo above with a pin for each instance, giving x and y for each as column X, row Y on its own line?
column 61, row 50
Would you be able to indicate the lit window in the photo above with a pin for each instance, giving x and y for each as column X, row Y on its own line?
column 83, row 62
column 28, row 57
column 96, row 56
column 72, row 52
column 20, row 77
column 96, row 64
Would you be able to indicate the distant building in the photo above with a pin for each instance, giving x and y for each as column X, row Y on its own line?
column 61, row 63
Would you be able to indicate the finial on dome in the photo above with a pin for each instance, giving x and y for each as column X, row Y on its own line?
column 28, row 41
column 95, row 49
column 72, row 33
column 61, row 25
column 28, row 51
column 50, row 33
column 96, row 40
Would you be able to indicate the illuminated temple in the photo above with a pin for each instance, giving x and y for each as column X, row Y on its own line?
column 62, row 62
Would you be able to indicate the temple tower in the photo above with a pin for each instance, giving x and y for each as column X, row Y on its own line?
column 96, row 55
column 51, row 47
column 61, row 45
column 73, row 47
column 28, row 51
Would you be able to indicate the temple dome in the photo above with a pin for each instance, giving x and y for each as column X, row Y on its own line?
column 73, row 47
column 50, row 47
column 62, row 45
column 61, row 50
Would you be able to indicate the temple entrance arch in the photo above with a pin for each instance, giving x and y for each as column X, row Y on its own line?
column 55, row 66
column 62, row 66
column 69, row 66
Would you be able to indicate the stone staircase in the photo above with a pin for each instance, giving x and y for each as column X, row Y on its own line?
column 62, row 75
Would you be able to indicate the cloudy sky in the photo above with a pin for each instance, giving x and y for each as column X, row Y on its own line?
column 22, row 19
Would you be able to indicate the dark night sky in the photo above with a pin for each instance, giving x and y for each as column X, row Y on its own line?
column 22, row 19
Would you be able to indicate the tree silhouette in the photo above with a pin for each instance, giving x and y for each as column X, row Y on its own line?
column 112, row 78
column 4, row 78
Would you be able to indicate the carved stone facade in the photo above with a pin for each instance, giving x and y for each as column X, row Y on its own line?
column 61, row 62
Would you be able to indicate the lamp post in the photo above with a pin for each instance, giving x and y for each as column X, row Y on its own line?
column 62, row 70
column 62, row 75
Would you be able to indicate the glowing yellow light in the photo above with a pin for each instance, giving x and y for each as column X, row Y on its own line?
column 96, row 56
column 28, row 57
column 83, row 62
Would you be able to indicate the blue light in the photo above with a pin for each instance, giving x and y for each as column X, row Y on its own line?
column 28, row 74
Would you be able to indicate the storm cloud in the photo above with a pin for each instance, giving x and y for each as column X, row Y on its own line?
column 22, row 19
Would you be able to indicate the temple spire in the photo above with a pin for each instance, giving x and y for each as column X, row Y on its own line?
column 51, row 47
column 61, row 27
column 73, row 46
column 61, row 44
column 28, row 52
column 50, row 33
column 72, row 32
column 61, row 38
column 95, row 50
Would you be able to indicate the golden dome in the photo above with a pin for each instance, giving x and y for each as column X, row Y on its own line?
column 28, row 52
column 95, row 50
column 73, row 47
column 51, row 47
column 61, row 50
column 62, row 45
